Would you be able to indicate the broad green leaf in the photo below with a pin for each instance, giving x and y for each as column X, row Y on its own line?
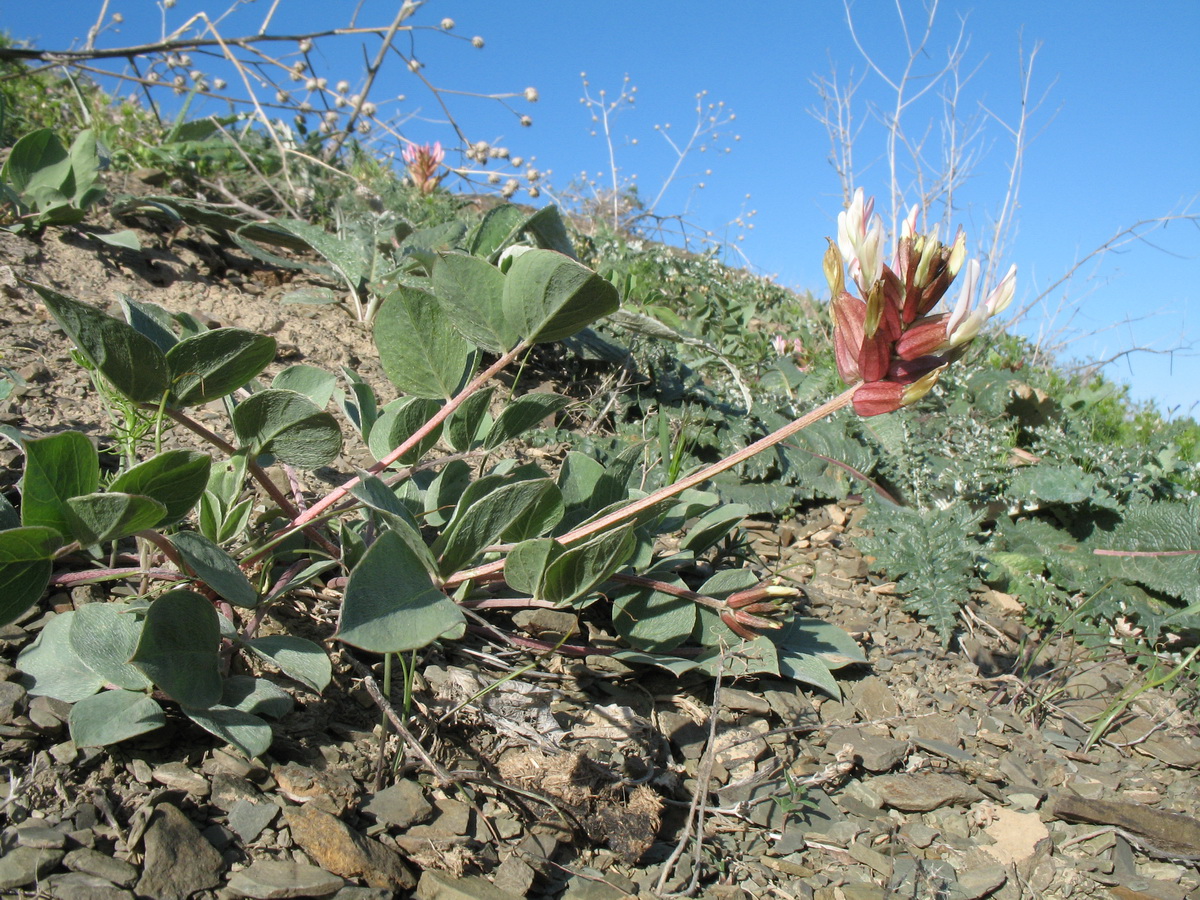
column 578, row 479
column 57, row 468
column 245, row 731
column 378, row 496
column 178, row 648
column 175, row 478
column 522, row 414
column 149, row 319
column 113, row 716
column 471, row 293
column 808, row 637
column 539, row 517
column 26, row 563
column 808, row 670
column 672, row 664
column 500, row 225
column 256, row 696
column 215, row 568
column 50, row 668
column 210, row 365
column 37, row 158
column 736, row 660
column 419, row 350
column 315, row 384
column 484, row 513
column 130, row 361
column 470, row 422
column 654, row 621
column 309, row 573
column 103, row 636
column 713, row 526
column 297, row 658
column 444, row 492
column 548, row 229
column 426, row 245
column 584, row 567
column 1054, row 484
column 344, row 255
column 527, row 562
column 548, row 296
column 85, row 167
column 288, row 426
column 108, row 516
column 124, row 239
column 1170, row 533
column 311, row 296
column 391, row 604
column 9, row 517
column 400, row 420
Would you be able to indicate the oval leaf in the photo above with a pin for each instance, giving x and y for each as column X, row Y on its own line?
column 484, row 512
column 391, row 605
column 215, row 363
column 100, row 517
column 103, row 636
column 245, row 731
column 315, row 384
column 471, row 291
column 548, row 296
column 584, row 567
column 522, row 414
column 288, row 426
column 298, row 658
column 421, row 353
column 215, row 568
column 175, row 478
column 178, row 648
column 112, row 717
column 56, row 468
column 50, row 668
column 26, row 564
column 130, row 361
column 399, row 421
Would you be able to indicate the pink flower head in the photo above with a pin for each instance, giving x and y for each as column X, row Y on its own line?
column 423, row 162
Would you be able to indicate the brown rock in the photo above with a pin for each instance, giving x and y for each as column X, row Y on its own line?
column 330, row 790
column 922, row 793
column 179, row 861
column 338, row 848
column 1171, row 833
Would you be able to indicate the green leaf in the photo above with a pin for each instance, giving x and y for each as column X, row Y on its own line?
column 500, row 225
column 484, row 512
column 421, row 353
column 100, row 517
column 578, row 479
column 522, row 414
column 57, row 468
column 288, row 426
column 311, row 296
column 215, row 568
column 50, row 668
column 210, row 365
column 178, row 648
column 444, row 492
column 527, row 562
column 1054, row 484
column 391, row 604
column 539, row 517
column 113, row 716
column 1172, row 531
column 125, row 240
column 297, row 658
column 469, row 423
column 471, row 293
column 26, row 563
column 548, row 296
column 810, row 648
column 37, row 158
column 713, row 526
column 652, row 620
column 315, row 384
column 245, row 731
column 399, row 421
column 584, row 567
column 103, row 636
column 755, row 657
column 548, row 229
column 256, row 696
column 130, row 361
column 149, row 319
column 175, row 478
column 345, row 256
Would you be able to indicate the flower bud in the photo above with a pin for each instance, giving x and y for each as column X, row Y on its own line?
column 834, row 267
column 923, row 337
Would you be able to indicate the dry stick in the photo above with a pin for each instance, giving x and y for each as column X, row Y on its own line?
column 633, row 509
column 699, row 798
column 406, row 10
column 382, row 702
column 440, row 416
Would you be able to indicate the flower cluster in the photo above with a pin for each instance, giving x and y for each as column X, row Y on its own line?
column 888, row 340
column 423, row 162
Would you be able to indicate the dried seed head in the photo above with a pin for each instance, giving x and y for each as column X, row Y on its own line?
column 305, row 45
column 343, row 86
column 494, row 178
column 447, row 23
column 534, row 192
column 526, row 121
column 477, row 42
column 311, row 85
column 117, row 18
column 510, row 187
column 531, row 94
column 363, row 126
column 414, row 65
column 282, row 96
column 218, row 84
column 368, row 109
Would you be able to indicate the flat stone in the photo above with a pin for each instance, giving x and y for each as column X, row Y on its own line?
column 228, row 789
column 401, row 806
column 270, row 880
column 332, row 790
column 546, row 622
column 179, row 777
column 515, row 876
column 338, row 848
column 40, row 837
column 877, row 754
column 12, row 701
column 24, row 865
column 437, row 885
column 80, row 886
column 874, row 699
column 454, row 818
column 91, row 862
column 1017, row 836
column 922, row 793
column 249, row 817
column 979, row 882
column 580, row 888
column 178, row 860
column 1168, row 832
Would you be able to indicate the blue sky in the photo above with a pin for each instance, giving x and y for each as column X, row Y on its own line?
column 1115, row 141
